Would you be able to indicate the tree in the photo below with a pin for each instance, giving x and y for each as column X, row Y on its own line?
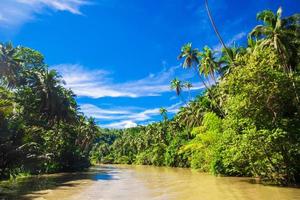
column 262, row 120
column 215, row 27
column 45, row 99
column 228, row 58
column 163, row 112
column 41, row 129
column 9, row 64
column 190, row 56
column 177, row 85
column 30, row 58
column 191, row 115
column 283, row 35
column 247, row 124
column 208, row 65
column 191, row 59
column 279, row 33
column 188, row 86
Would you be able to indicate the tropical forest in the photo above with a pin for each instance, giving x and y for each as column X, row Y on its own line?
column 241, row 127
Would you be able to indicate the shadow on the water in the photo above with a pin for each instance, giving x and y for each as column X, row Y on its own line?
column 20, row 189
column 257, row 181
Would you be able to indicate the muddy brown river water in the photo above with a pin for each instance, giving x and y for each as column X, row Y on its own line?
column 144, row 183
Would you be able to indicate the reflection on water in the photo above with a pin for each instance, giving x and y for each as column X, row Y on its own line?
column 22, row 187
column 143, row 183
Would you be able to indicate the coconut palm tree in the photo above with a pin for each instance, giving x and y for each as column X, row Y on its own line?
column 54, row 103
column 190, row 56
column 208, row 66
column 283, row 35
column 177, row 85
column 163, row 112
column 88, row 133
column 191, row 115
column 226, row 60
column 188, row 86
column 191, row 59
column 278, row 32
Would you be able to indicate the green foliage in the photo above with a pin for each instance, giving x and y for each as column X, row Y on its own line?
column 246, row 124
column 203, row 146
column 41, row 129
column 262, row 118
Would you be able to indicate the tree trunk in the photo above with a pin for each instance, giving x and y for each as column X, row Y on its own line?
column 215, row 28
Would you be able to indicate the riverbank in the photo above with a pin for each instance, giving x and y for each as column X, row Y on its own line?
column 112, row 182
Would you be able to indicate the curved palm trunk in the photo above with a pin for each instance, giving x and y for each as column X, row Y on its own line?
column 215, row 28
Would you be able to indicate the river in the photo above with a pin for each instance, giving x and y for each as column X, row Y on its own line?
column 143, row 183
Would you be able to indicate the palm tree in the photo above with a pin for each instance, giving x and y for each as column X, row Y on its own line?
column 190, row 56
column 163, row 112
column 208, row 66
column 55, row 103
column 191, row 59
column 283, row 35
column 177, row 85
column 214, row 26
column 227, row 60
column 278, row 32
column 191, row 115
column 9, row 64
column 188, row 86
column 88, row 133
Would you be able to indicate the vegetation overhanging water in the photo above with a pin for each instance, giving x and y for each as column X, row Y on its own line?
column 245, row 123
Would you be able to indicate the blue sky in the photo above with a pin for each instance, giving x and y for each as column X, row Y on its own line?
column 119, row 56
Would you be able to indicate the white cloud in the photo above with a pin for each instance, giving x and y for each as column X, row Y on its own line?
column 103, row 114
column 137, row 114
column 123, row 116
column 15, row 13
column 122, row 124
column 234, row 39
column 98, row 83
column 58, row 5
column 90, row 83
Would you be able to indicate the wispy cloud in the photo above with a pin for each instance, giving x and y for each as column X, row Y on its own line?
column 137, row 114
column 90, row 83
column 123, row 117
column 234, row 39
column 15, row 13
column 99, row 83
column 121, row 124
